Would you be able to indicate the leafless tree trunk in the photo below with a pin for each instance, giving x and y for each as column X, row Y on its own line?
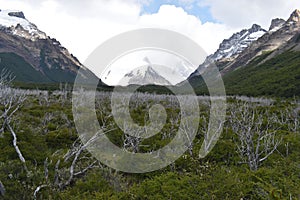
column 2, row 189
column 213, row 127
column 76, row 152
column 256, row 134
column 11, row 100
column 81, row 162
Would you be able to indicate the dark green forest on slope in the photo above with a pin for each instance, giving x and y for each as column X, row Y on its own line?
column 277, row 77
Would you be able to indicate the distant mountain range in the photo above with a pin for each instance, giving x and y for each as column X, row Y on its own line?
column 253, row 61
column 31, row 55
column 268, row 64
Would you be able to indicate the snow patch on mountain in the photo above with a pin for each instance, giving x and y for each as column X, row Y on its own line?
column 17, row 24
column 237, row 43
column 231, row 48
column 173, row 69
column 276, row 24
column 144, row 75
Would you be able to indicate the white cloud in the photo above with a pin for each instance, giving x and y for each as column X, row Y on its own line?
column 243, row 13
column 208, row 35
column 83, row 25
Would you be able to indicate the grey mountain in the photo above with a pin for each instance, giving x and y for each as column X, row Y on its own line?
column 32, row 56
column 144, row 75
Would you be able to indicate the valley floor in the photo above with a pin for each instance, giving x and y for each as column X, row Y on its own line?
column 256, row 157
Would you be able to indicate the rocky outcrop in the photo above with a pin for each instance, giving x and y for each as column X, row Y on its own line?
column 17, row 14
column 276, row 24
column 295, row 17
column 238, row 42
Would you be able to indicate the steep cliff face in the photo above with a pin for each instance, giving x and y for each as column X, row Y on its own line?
column 276, row 24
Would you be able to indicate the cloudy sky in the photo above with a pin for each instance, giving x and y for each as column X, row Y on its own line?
column 83, row 25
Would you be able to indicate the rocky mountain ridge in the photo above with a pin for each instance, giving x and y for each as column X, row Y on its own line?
column 271, row 42
column 237, row 43
column 269, row 66
column 232, row 47
column 48, row 58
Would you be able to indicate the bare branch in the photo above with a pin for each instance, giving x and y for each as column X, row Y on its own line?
column 36, row 191
column 2, row 189
column 256, row 137
column 21, row 157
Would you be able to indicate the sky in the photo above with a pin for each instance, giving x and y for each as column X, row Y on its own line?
column 81, row 26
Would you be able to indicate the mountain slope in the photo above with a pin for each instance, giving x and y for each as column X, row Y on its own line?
column 31, row 55
column 231, row 48
column 271, row 41
column 269, row 66
column 278, row 76
column 21, row 69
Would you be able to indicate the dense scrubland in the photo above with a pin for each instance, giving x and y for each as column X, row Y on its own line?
column 256, row 157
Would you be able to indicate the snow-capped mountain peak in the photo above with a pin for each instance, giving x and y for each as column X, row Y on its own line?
column 16, row 23
column 162, row 71
column 231, row 48
column 237, row 43
column 144, row 75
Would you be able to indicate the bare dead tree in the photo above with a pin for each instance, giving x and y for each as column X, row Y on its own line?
column 77, row 161
column 80, row 163
column 63, row 93
column 256, row 133
column 11, row 100
column 212, row 128
column 39, row 188
column 188, row 130
column 131, row 142
column 47, row 118
column 44, row 99
column 174, row 124
column 290, row 116
column 78, row 153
